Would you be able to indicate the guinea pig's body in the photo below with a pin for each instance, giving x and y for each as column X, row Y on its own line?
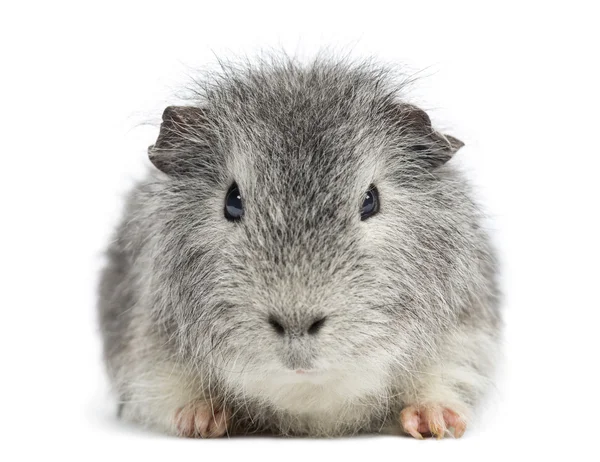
column 247, row 290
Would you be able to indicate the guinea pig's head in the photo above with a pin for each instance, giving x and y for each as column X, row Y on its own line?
column 300, row 239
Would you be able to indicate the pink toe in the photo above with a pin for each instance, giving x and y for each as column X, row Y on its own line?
column 411, row 422
column 184, row 421
column 435, row 418
column 219, row 424
column 455, row 421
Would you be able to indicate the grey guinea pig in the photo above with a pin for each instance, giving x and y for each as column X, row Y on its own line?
column 302, row 260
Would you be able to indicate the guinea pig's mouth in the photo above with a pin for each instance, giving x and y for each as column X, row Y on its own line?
column 306, row 371
column 316, row 376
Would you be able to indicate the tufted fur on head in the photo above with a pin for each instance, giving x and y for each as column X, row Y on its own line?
column 300, row 317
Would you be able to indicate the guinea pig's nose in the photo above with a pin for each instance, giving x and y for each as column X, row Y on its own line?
column 316, row 325
column 313, row 327
column 276, row 325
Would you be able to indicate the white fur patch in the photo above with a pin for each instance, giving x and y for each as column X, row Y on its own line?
column 319, row 398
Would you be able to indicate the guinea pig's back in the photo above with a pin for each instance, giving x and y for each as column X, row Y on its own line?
column 118, row 291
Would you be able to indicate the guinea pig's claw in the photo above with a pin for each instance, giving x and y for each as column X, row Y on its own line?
column 432, row 420
column 200, row 419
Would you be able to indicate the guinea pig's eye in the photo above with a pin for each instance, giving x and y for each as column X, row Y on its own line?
column 234, row 209
column 370, row 204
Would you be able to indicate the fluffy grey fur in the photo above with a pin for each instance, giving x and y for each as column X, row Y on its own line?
column 408, row 296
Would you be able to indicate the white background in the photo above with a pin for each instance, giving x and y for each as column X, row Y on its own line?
column 518, row 83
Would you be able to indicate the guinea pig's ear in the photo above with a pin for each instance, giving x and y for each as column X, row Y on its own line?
column 182, row 128
column 430, row 147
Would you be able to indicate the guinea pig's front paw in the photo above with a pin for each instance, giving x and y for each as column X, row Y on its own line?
column 200, row 419
column 431, row 419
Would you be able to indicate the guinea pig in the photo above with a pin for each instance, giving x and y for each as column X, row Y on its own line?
column 303, row 258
